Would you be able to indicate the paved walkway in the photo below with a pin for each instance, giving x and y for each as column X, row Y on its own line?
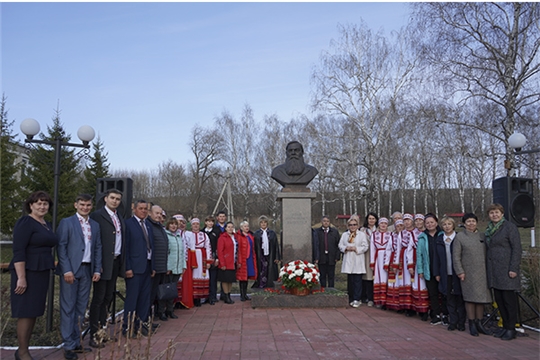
column 240, row 332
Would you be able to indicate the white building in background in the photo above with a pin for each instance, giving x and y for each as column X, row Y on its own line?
column 21, row 159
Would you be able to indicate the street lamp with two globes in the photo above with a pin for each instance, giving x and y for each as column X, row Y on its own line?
column 30, row 128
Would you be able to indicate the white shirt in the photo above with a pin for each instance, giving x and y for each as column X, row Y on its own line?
column 448, row 253
column 118, row 231
column 87, row 234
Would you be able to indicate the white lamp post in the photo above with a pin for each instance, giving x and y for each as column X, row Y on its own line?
column 30, row 128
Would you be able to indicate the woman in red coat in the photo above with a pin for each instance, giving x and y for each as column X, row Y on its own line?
column 227, row 252
column 246, row 268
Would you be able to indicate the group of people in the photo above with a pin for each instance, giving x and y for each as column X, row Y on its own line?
column 147, row 250
column 416, row 265
column 420, row 265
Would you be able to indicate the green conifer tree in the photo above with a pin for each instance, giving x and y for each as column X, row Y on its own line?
column 96, row 168
column 11, row 204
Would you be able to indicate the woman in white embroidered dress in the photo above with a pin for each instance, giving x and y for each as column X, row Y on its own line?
column 379, row 242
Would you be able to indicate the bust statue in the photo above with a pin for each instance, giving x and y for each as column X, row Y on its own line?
column 294, row 172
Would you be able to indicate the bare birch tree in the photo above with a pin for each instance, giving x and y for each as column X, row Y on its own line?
column 486, row 53
column 363, row 77
column 206, row 147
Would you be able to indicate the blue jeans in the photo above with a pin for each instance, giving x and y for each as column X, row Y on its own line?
column 354, row 286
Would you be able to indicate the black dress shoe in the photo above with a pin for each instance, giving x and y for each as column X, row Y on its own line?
column 499, row 333
column 163, row 317
column 451, row 327
column 70, row 355
column 509, row 335
column 171, row 314
column 212, row 302
column 81, row 350
column 461, row 327
column 98, row 345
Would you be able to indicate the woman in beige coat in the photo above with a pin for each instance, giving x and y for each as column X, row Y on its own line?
column 353, row 244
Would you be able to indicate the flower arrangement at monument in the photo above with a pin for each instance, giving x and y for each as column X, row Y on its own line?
column 299, row 276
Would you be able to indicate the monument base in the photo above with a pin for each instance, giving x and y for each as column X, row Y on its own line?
column 331, row 298
column 296, row 225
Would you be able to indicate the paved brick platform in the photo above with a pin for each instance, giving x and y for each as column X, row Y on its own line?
column 239, row 332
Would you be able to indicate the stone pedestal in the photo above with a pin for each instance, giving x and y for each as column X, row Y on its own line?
column 296, row 225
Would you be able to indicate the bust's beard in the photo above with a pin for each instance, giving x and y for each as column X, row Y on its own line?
column 294, row 166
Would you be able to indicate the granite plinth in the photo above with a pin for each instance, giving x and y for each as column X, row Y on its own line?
column 296, row 225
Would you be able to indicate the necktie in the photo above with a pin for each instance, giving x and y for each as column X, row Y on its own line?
column 145, row 235
column 326, row 241
column 116, row 222
column 351, row 238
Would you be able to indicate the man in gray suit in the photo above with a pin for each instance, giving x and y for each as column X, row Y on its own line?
column 79, row 263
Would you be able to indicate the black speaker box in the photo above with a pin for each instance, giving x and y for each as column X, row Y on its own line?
column 125, row 185
column 516, row 196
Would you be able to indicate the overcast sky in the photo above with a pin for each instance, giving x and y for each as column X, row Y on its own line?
column 143, row 74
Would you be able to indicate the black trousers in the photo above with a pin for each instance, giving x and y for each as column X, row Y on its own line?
column 507, row 302
column 455, row 305
column 213, row 282
column 327, row 272
column 437, row 301
column 159, row 278
column 102, row 297
column 367, row 290
column 168, row 305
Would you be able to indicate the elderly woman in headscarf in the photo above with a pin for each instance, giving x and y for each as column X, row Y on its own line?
column 380, row 241
column 391, row 263
column 198, row 243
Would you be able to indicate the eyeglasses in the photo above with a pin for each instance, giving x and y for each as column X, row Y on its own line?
column 353, row 224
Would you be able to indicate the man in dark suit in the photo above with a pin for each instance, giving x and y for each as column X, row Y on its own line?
column 139, row 270
column 112, row 229
column 219, row 228
column 79, row 263
column 327, row 241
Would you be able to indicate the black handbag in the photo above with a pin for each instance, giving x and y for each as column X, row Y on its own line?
column 167, row 291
